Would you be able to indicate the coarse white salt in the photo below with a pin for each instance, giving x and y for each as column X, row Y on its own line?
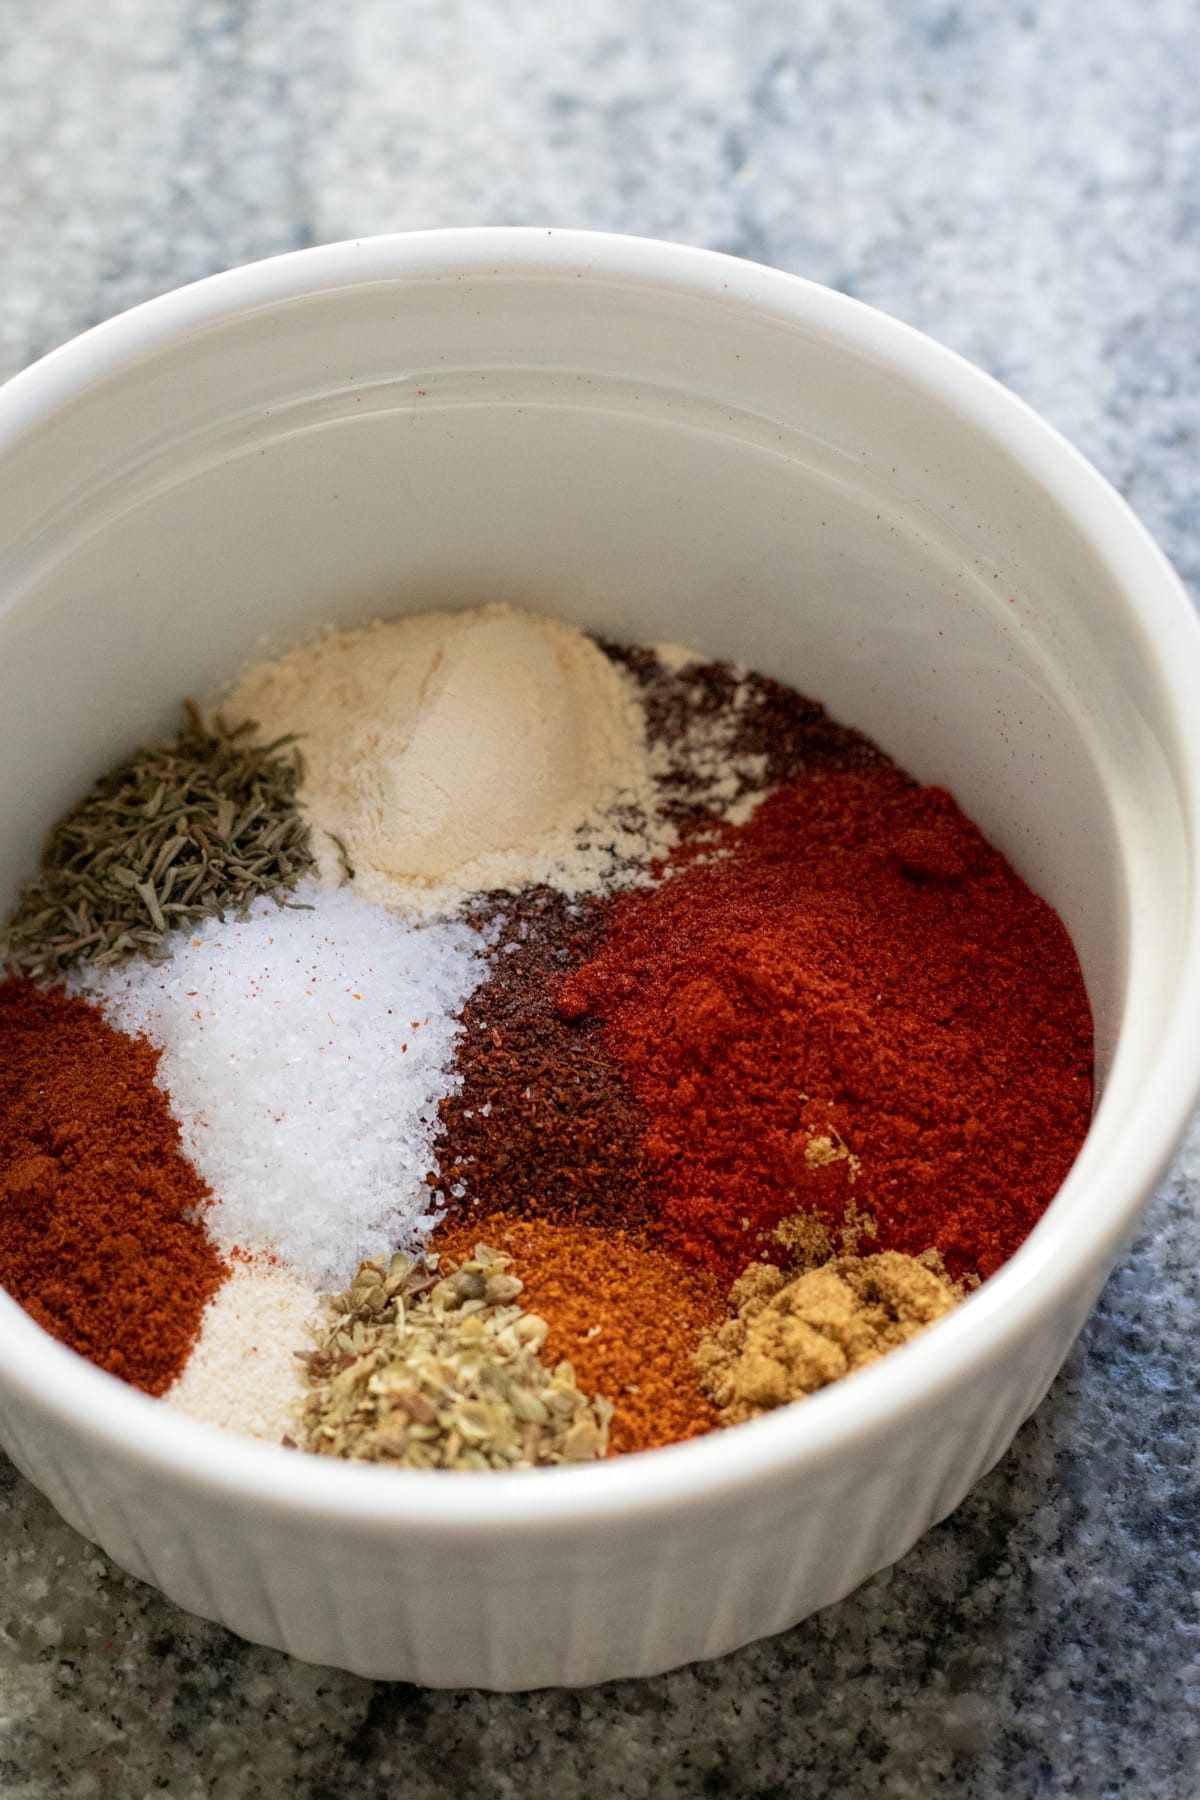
column 304, row 1053
column 242, row 1374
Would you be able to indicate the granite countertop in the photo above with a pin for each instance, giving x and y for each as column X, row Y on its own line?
column 1021, row 182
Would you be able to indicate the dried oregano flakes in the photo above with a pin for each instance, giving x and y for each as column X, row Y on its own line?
column 442, row 1371
column 180, row 831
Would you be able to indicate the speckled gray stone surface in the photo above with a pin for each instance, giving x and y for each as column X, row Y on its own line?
column 1022, row 181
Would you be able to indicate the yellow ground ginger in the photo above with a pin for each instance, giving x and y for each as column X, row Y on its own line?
column 790, row 1335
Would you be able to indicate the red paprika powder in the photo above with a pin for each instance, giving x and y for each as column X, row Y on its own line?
column 100, row 1232
column 858, row 998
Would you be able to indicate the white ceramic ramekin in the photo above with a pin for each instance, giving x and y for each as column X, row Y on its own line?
column 660, row 443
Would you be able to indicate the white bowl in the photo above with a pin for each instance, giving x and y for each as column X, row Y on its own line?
column 658, row 443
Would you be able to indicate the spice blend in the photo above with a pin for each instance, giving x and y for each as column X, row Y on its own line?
column 655, row 1050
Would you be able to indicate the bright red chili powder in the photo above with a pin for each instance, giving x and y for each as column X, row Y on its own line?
column 859, row 964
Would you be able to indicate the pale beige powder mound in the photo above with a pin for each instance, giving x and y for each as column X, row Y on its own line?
column 242, row 1375
column 455, row 752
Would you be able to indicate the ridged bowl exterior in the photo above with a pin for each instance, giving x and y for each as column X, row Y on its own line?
column 582, row 1608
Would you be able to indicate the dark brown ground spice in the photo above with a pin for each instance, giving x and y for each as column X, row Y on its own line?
column 793, row 734
column 544, row 1122
column 625, row 1314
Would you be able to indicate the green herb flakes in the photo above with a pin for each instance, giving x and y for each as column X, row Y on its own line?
column 442, row 1372
column 180, row 831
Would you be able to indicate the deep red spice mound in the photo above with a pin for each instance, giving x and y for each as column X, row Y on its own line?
column 94, row 1191
column 859, row 967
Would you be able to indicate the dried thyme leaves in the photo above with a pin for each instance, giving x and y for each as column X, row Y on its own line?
column 180, row 831
column 442, row 1372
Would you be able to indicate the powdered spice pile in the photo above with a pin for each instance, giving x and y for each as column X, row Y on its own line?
column 544, row 1120
column 787, row 1337
column 857, row 964
column 101, row 1233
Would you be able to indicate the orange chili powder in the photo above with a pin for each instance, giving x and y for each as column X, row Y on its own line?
column 626, row 1314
